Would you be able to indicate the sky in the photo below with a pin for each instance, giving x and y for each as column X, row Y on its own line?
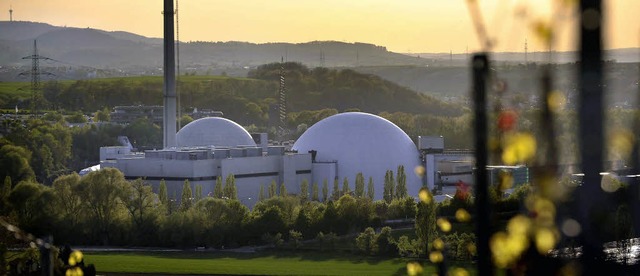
column 408, row 26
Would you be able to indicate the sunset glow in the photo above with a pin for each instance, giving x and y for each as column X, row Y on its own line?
column 401, row 26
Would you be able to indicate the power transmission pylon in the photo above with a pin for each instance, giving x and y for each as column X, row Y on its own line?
column 35, row 77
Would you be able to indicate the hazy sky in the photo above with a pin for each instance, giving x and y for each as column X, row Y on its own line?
column 400, row 25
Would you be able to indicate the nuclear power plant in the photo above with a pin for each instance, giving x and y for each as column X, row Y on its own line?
column 335, row 148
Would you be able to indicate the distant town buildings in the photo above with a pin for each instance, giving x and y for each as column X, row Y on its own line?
column 130, row 113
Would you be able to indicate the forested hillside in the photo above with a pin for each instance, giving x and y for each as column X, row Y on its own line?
column 245, row 100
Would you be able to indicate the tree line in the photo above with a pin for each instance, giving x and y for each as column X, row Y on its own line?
column 247, row 100
column 102, row 208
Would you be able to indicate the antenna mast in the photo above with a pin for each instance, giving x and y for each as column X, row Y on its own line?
column 526, row 52
column 282, row 104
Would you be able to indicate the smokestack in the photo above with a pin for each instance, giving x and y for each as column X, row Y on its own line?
column 169, row 121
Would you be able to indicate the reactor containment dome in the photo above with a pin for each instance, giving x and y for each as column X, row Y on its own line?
column 214, row 131
column 361, row 142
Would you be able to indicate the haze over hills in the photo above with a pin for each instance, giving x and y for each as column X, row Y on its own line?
column 88, row 53
column 102, row 49
column 118, row 49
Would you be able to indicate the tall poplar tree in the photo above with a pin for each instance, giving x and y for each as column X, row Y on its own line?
column 314, row 191
column 304, row 190
column 230, row 190
column 162, row 194
column 198, row 194
column 359, row 190
column 261, row 194
column 217, row 190
column 370, row 189
column 336, row 190
column 283, row 190
column 325, row 190
column 401, row 188
column 345, row 187
column 187, row 196
column 272, row 189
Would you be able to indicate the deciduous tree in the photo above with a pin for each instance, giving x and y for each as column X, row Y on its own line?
column 359, row 190
column 187, row 196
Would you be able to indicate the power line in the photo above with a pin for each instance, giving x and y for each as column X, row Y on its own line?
column 35, row 77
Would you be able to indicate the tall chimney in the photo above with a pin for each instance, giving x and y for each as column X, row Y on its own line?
column 169, row 121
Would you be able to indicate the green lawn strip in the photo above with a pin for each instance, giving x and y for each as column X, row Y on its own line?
column 247, row 264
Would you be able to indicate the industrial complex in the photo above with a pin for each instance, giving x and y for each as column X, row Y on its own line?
column 338, row 147
column 335, row 148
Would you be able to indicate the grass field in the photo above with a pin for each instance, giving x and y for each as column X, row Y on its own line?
column 245, row 264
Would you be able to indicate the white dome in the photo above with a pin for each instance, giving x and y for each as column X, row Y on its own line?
column 213, row 131
column 366, row 143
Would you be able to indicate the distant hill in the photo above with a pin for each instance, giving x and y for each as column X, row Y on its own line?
column 621, row 79
column 623, row 55
column 102, row 49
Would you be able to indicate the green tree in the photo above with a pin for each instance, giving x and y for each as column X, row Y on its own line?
column 272, row 189
column 184, row 120
column 426, row 224
column 141, row 203
column 101, row 191
column 261, row 194
column 31, row 205
column 162, row 193
column 230, row 190
column 102, row 115
column 405, row 247
column 198, row 194
column 386, row 245
column 77, row 118
column 283, row 190
column 370, row 189
column 14, row 161
column 143, row 133
column 304, row 190
column 359, row 192
column 389, row 184
column 69, row 202
column 49, row 144
column 53, row 117
column 314, row 192
column 4, row 196
column 187, row 196
column 325, row 190
column 330, row 218
column 401, row 188
column 336, row 190
column 345, row 187
column 217, row 189
column 295, row 239
column 366, row 241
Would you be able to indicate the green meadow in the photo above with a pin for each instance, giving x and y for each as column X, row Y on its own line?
column 216, row 263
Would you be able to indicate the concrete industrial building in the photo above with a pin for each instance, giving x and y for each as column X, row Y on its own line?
column 337, row 147
column 354, row 142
